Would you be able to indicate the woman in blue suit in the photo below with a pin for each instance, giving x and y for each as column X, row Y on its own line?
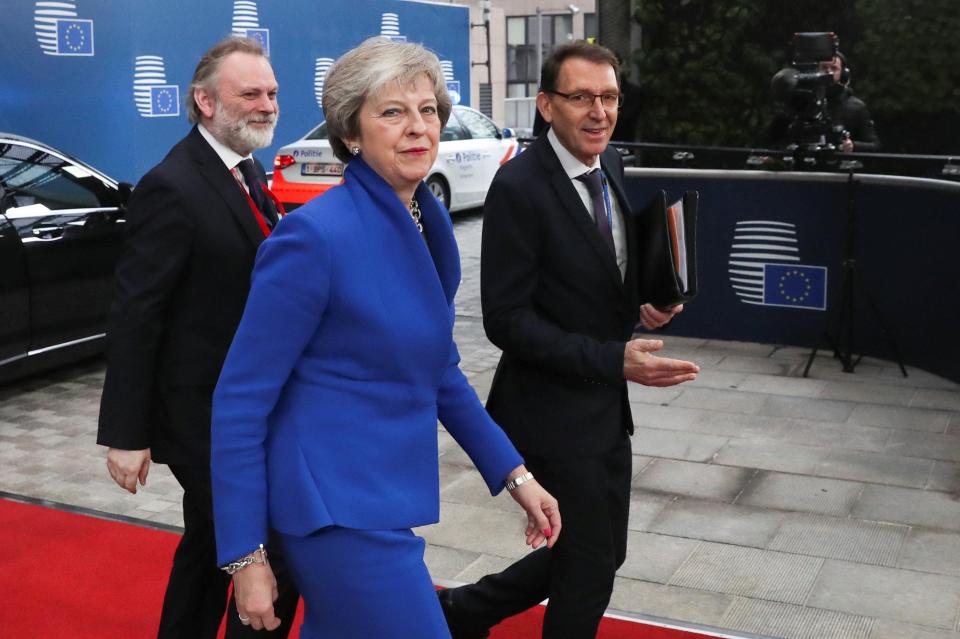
column 324, row 424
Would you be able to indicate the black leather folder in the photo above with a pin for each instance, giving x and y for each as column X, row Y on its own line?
column 660, row 283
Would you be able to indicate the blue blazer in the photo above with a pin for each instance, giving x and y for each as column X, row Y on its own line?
column 327, row 405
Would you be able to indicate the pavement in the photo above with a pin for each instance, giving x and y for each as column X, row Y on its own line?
column 763, row 502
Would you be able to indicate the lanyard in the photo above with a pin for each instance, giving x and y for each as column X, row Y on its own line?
column 261, row 221
column 607, row 205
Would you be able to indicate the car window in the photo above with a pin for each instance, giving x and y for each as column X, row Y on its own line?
column 453, row 130
column 319, row 133
column 31, row 176
column 477, row 124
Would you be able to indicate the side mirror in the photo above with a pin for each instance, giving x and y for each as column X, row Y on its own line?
column 506, row 133
column 125, row 190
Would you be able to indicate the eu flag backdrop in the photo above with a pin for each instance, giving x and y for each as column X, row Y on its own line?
column 795, row 285
column 74, row 37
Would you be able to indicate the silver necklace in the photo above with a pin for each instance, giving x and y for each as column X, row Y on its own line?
column 415, row 214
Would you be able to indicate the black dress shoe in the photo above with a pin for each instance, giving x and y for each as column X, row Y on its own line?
column 458, row 629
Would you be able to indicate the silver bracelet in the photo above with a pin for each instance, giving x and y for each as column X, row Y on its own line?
column 258, row 556
column 516, row 481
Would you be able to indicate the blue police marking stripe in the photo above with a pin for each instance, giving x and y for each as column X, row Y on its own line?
column 795, row 286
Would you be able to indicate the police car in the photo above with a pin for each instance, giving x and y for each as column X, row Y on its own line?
column 472, row 148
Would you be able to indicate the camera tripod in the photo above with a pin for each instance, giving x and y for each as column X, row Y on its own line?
column 843, row 340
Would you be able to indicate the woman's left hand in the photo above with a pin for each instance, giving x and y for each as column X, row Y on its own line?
column 543, row 513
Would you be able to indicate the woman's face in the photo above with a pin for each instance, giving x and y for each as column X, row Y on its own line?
column 399, row 131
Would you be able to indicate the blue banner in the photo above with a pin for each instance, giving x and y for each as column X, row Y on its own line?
column 106, row 80
column 772, row 249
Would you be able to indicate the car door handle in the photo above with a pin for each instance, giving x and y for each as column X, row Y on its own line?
column 48, row 232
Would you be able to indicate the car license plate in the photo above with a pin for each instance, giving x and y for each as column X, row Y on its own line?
column 334, row 169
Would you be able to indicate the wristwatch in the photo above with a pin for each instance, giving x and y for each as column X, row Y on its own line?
column 516, row 481
column 258, row 556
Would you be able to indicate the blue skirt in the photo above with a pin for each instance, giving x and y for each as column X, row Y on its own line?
column 364, row 584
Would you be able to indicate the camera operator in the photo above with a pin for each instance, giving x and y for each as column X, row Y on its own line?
column 822, row 114
column 847, row 110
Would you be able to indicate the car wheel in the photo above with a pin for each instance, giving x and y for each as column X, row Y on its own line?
column 438, row 186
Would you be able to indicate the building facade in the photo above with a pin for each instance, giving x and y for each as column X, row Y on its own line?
column 505, row 84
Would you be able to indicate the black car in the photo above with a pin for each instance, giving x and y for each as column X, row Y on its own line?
column 61, row 231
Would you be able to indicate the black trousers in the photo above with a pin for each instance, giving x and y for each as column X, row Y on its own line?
column 196, row 595
column 577, row 573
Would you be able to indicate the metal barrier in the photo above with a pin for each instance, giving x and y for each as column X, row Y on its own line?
column 776, row 247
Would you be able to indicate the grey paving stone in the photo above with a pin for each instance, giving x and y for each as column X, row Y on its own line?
column 901, row 417
column 746, row 364
column 468, row 487
column 671, row 602
column 779, row 385
column 710, row 377
column 483, row 566
column 832, row 434
column 749, row 572
column 944, row 447
column 639, row 462
column 665, row 417
column 888, row 593
column 706, row 481
column 639, row 394
column 645, row 506
column 728, row 347
column 909, row 506
column 714, row 521
column 654, row 557
column 720, row 400
column 484, row 530
column 946, row 477
column 800, row 493
column 772, row 619
column 676, row 445
column 872, row 392
column 806, row 408
column 834, row 538
column 876, row 468
column 740, row 426
column 887, row 629
column 447, row 563
column 937, row 399
column 771, row 454
column 931, row 551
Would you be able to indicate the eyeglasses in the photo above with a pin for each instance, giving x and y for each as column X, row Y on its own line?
column 609, row 101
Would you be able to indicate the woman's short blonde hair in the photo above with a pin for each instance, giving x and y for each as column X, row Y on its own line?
column 367, row 69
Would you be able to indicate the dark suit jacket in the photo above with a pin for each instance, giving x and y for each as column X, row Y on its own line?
column 181, row 285
column 554, row 302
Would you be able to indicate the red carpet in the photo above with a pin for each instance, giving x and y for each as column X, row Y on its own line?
column 69, row 575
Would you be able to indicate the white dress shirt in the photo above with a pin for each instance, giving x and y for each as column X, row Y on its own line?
column 575, row 168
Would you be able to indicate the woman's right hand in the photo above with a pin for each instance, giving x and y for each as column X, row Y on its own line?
column 543, row 513
column 255, row 590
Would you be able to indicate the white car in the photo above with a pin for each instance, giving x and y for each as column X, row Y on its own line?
column 472, row 148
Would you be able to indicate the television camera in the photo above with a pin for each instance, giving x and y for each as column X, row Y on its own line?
column 803, row 88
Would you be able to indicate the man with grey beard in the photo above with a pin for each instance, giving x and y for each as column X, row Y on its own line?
column 193, row 227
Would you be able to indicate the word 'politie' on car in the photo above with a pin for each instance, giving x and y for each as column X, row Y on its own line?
column 472, row 148
column 61, row 232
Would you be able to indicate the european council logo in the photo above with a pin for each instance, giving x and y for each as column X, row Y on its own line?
column 453, row 86
column 154, row 97
column 319, row 77
column 765, row 267
column 390, row 27
column 59, row 30
column 246, row 22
